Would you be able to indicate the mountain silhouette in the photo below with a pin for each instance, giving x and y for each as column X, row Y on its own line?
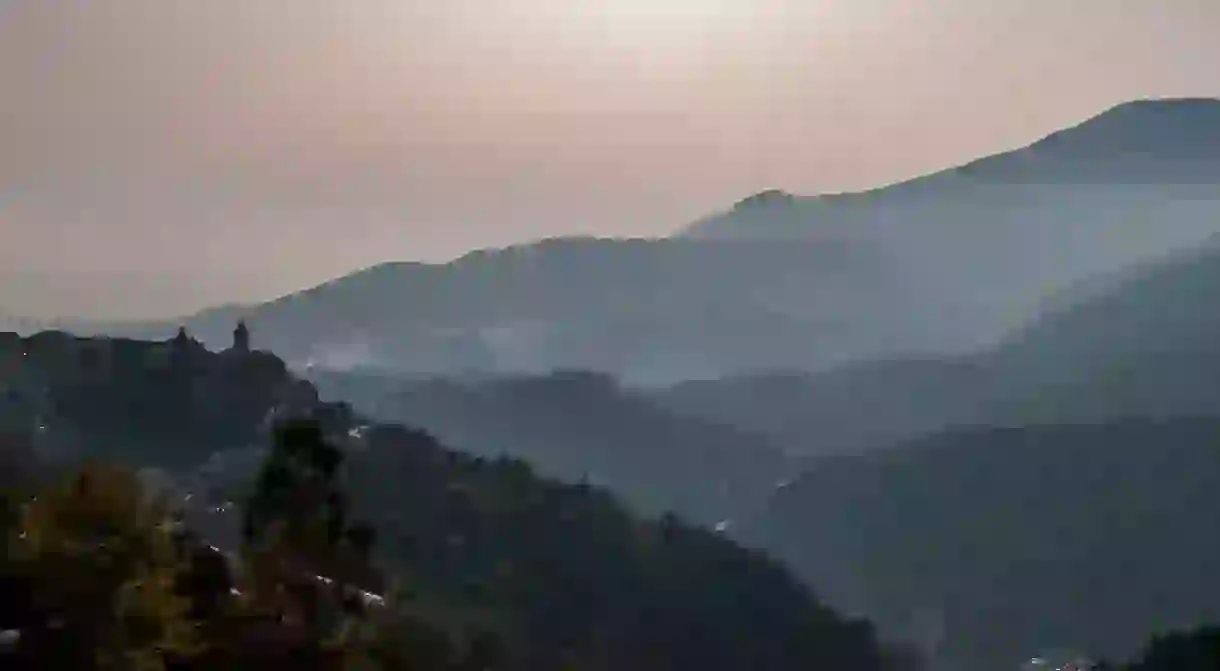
column 1013, row 541
column 1151, row 141
column 1004, row 232
column 560, row 571
column 1141, row 342
column 1054, row 491
column 1146, row 142
column 939, row 265
column 584, row 426
column 641, row 309
column 845, row 410
column 1145, row 345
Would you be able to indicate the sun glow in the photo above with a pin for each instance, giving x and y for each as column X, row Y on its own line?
column 661, row 25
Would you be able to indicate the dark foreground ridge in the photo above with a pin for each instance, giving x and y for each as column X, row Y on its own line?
column 559, row 575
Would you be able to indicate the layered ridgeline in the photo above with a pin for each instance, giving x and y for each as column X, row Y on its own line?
column 649, row 310
column 1147, row 169
column 940, row 264
column 1143, row 342
column 988, row 547
column 585, row 427
column 845, row 410
column 560, row 572
column 1055, row 493
column 1004, row 233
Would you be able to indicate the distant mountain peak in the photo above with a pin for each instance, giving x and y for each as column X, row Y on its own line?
column 1150, row 141
column 1184, row 128
column 1193, row 103
column 764, row 199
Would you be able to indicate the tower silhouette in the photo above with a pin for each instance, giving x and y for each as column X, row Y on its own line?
column 241, row 337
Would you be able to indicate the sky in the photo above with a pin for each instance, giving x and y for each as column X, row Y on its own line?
column 159, row 156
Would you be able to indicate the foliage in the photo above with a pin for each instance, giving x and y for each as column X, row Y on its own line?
column 98, row 563
column 139, row 403
column 99, row 576
column 570, row 425
column 1195, row 650
column 992, row 545
column 567, row 576
column 495, row 563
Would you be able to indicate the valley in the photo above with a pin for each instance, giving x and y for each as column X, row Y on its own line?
column 946, row 424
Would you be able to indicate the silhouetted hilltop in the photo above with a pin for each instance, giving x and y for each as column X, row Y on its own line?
column 641, row 309
column 1001, row 234
column 1145, row 140
column 942, row 264
column 561, row 572
column 164, row 403
column 1172, row 141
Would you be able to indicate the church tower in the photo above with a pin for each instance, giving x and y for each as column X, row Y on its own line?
column 241, row 337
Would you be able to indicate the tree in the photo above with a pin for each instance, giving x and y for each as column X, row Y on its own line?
column 95, row 562
column 100, row 576
column 299, row 503
column 1197, row 650
column 297, row 527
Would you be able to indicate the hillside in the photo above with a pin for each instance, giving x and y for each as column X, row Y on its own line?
column 166, row 404
column 561, row 572
column 1162, row 143
column 563, row 568
column 991, row 545
column 1005, row 232
column 643, row 309
column 584, row 426
column 844, row 410
column 939, row 265
column 1154, row 319
column 1141, row 342
column 1077, row 527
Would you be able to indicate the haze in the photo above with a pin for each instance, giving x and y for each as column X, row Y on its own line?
column 157, row 156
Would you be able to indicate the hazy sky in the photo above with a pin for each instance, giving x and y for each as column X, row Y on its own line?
column 160, row 155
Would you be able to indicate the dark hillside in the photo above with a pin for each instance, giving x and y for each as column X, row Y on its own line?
column 563, row 572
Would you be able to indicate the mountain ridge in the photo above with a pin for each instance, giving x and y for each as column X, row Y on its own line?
column 1012, row 540
column 569, row 575
column 978, row 167
column 582, row 426
column 942, row 265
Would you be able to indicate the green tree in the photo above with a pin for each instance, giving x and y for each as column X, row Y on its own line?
column 297, row 526
column 1197, row 650
column 97, row 561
